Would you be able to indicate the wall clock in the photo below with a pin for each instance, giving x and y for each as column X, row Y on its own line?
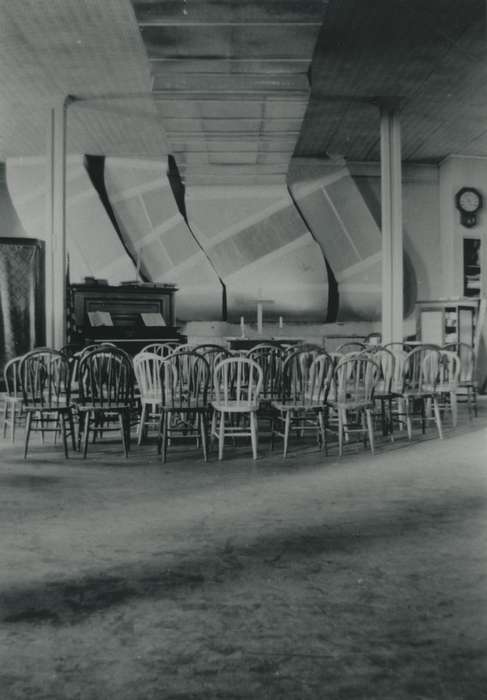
column 468, row 201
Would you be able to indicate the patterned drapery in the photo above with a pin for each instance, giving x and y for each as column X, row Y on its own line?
column 22, row 305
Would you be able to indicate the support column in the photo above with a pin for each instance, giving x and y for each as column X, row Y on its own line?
column 392, row 238
column 56, row 227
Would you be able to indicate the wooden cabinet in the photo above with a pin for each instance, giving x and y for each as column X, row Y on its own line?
column 125, row 305
column 447, row 321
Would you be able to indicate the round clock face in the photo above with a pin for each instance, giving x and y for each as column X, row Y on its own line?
column 469, row 201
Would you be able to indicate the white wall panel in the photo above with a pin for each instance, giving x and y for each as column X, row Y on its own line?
column 157, row 234
column 346, row 232
column 264, row 252
column 93, row 246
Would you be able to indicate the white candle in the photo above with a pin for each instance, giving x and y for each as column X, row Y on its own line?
column 281, row 322
column 259, row 318
column 242, row 326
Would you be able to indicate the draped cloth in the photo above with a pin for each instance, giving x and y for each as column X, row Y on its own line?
column 22, row 298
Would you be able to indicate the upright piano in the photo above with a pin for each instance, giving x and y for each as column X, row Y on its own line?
column 128, row 315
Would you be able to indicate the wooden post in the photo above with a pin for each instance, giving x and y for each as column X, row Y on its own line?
column 56, row 226
column 392, row 239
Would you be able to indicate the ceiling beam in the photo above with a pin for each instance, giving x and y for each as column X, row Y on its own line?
column 184, row 12
column 244, row 82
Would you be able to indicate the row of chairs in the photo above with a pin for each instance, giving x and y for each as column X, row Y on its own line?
column 299, row 386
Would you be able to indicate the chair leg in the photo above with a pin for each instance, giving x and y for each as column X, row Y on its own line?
column 321, row 423
column 287, row 425
column 62, row 418
column 436, row 410
column 86, row 432
column 27, row 432
column 5, row 418
column 123, row 432
column 340, row 432
column 409, row 423
column 202, row 419
column 253, row 433
column 370, row 428
column 166, row 417
column 221, row 435
column 13, row 419
column 454, row 408
column 141, row 424
column 213, row 427
column 71, row 428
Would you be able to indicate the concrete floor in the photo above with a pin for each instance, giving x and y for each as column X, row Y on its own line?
column 313, row 577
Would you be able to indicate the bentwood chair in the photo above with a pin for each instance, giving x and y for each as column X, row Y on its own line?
column 270, row 359
column 12, row 399
column 467, row 383
column 184, row 381
column 46, row 376
column 421, row 374
column 237, row 386
column 106, row 394
column 147, row 367
column 213, row 354
column 384, row 392
column 304, row 393
column 161, row 349
column 355, row 379
column 447, row 385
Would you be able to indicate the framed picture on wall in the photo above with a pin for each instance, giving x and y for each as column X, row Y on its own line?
column 472, row 269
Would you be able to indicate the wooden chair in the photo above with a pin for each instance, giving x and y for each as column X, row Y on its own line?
column 270, row 359
column 45, row 376
column 384, row 393
column 237, row 386
column 106, row 394
column 184, row 381
column 12, row 399
column 467, row 382
column 304, row 392
column 420, row 378
column 355, row 379
column 213, row 354
column 161, row 349
column 447, row 384
column 147, row 367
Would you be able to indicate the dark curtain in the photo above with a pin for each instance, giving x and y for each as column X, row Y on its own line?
column 22, row 298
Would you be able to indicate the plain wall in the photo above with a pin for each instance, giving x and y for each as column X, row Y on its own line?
column 10, row 224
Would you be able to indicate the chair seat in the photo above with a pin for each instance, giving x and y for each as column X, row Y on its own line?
column 152, row 398
column 115, row 407
column 467, row 384
column 423, row 394
column 236, row 406
column 191, row 405
column 351, row 405
column 48, row 409
column 298, row 405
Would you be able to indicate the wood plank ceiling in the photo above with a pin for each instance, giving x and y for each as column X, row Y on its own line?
column 231, row 82
column 430, row 57
column 225, row 84
column 87, row 48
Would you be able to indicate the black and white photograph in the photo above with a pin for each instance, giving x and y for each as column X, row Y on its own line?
column 243, row 349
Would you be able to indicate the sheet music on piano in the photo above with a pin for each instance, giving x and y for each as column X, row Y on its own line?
column 152, row 319
column 100, row 318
